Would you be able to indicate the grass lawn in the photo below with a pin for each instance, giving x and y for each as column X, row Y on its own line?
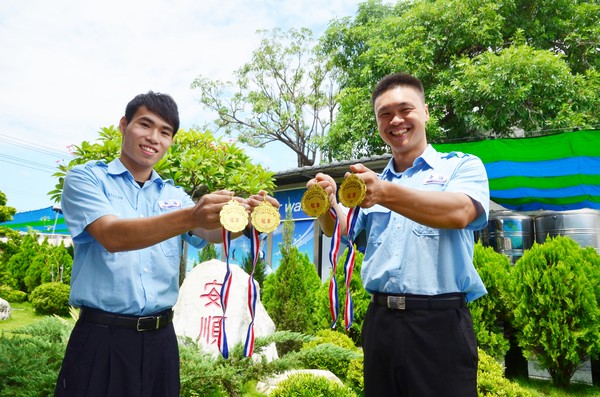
column 23, row 314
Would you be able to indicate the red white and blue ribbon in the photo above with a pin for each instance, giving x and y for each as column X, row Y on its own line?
column 222, row 340
column 252, row 293
column 333, row 254
column 349, row 266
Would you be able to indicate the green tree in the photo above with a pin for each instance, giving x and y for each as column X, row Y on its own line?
column 289, row 294
column 19, row 262
column 553, row 289
column 208, row 252
column 6, row 212
column 542, row 55
column 286, row 93
column 491, row 315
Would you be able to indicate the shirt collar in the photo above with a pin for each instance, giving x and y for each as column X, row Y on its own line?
column 116, row 167
column 425, row 160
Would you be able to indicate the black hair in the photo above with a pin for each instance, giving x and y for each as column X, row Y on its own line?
column 161, row 104
column 397, row 80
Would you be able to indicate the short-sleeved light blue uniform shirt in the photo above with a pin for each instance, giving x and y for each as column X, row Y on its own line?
column 403, row 256
column 137, row 282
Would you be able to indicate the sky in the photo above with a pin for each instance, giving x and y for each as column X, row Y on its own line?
column 69, row 67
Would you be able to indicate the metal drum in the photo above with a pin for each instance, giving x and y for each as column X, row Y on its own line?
column 508, row 233
column 582, row 226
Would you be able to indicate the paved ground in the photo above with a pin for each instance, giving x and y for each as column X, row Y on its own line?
column 582, row 375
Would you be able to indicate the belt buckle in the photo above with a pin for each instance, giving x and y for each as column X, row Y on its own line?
column 139, row 328
column 396, row 302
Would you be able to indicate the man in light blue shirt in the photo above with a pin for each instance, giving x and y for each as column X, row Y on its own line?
column 419, row 216
column 127, row 225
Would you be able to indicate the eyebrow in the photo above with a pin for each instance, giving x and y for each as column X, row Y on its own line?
column 147, row 119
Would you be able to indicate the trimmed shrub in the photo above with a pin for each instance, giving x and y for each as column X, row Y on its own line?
column 330, row 357
column 12, row 295
column 333, row 337
column 555, row 306
column 490, row 313
column 289, row 294
column 51, row 298
column 491, row 381
column 355, row 376
column 308, row 385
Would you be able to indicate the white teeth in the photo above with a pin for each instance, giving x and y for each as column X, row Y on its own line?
column 148, row 149
column 399, row 132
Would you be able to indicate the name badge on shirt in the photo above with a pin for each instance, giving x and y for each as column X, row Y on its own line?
column 170, row 204
column 436, row 179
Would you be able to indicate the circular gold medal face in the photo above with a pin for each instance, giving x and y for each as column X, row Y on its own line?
column 353, row 191
column 265, row 218
column 315, row 201
column 233, row 216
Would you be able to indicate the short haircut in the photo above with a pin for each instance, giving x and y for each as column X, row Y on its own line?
column 161, row 104
column 397, row 80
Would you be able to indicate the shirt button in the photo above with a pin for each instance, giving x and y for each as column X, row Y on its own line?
column 146, row 270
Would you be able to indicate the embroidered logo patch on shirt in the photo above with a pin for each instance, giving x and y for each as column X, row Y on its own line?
column 435, row 179
column 169, row 204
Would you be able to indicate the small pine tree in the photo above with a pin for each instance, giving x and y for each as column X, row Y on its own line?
column 208, row 252
column 555, row 306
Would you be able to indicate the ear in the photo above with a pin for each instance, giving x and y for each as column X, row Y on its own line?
column 426, row 113
column 122, row 124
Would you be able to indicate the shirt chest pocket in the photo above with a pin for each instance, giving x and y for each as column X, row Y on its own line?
column 378, row 220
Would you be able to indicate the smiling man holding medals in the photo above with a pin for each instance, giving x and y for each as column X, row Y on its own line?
column 419, row 215
column 127, row 225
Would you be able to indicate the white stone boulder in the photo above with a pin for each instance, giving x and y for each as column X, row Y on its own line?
column 4, row 309
column 198, row 311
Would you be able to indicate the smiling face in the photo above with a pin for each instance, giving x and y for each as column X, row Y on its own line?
column 401, row 116
column 146, row 139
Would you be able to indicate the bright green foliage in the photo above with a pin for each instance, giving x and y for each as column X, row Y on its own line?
column 35, row 263
column 555, row 306
column 208, row 252
column 324, row 352
column 31, row 357
column 19, row 262
column 360, row 300
column 308, row 385
column 355, row 376
column 330, row 357
column 289, row 293
column 490, row 313
column 51, row 298
column 7, row 249
column 285, row 93
column 51, row 263
column 488, row 67
column 6, row 213
column 11, row 295
column 197, row 161
column 491, row 381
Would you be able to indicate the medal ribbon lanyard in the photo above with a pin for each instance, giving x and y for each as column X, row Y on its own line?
column 222, row 339
column 252, row 293
column 333, row 254
column 349, row 266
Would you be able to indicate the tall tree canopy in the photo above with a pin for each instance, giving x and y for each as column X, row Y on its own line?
column 489, row 67
column 286, row 93
column 196, row 161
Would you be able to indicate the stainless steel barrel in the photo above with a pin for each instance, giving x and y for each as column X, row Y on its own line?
column 508, row 233
column 582, row 226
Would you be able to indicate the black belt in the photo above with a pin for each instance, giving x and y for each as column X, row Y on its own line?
column 419, row 302
column 142, row 323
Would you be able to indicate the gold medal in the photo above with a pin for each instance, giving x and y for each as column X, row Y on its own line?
column 353, row 191
column 233, row 216
column 315, row 201
column 265, row 218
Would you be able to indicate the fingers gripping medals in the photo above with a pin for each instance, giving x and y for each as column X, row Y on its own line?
column 315, row 201
column 352, row 191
